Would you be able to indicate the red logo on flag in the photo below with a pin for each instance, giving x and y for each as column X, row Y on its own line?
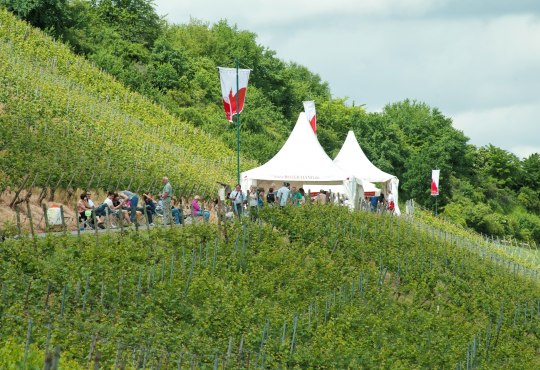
column 309, row 109
column 229, row 87
column 230, row 104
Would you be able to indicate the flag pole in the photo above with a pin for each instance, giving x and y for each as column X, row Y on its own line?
column 237, row 125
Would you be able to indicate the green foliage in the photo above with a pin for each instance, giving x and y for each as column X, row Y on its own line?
column 530, row 199
column 527, row 225
column 364, row 291
column 8, row 229
column 12, row 355
column 495, row 165
column 432, row 143
column 176, row 67
column 60, row 115
column 531, row 170
column 51, row 15
column 134, row 20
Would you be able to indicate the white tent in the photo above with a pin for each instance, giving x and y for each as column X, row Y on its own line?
column 351, row 158
column 300, row 161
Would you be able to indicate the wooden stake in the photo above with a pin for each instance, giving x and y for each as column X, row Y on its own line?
column 18, row 220
column 30, row 219
column 19, row 191
column 53, row 189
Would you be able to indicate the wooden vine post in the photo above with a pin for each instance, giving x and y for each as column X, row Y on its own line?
column 13, row 202
column 53, row 189
column 31, row 222
column 45, row 217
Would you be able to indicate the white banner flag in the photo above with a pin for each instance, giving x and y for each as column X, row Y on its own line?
column 228, row 90
column 309, row 109
column 435, row 182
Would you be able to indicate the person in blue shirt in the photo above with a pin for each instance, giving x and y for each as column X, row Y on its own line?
column 134, row 200
column 283, row 194
column 374, row 201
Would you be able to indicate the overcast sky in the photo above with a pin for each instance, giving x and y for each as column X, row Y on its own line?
column 477, row 61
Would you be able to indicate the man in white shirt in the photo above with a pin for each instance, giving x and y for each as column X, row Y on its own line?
column 237, row 198
column 283, row 194
column 108, row 202
column 99, row 211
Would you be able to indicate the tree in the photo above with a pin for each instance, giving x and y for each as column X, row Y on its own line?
column 50, row 15
column 531, row 171
column 136, row 20
column 499, row 166
column 428, row 141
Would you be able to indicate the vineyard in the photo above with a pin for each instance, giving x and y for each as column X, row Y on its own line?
column 69, row 124
column 345, row 289
column 301, row 287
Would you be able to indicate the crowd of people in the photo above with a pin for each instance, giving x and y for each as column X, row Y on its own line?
column 126, row 207
column 256, row 198
column 381, row 204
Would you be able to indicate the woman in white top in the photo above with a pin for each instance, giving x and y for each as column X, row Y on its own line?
column 253, row 202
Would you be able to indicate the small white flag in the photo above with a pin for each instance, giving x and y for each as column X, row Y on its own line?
column 435, row 182
column 309, row 109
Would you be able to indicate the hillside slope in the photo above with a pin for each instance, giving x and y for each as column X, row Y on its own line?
column 347, row 290
column 69, row 122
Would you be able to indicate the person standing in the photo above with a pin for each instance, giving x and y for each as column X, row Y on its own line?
column 321, row 197
column 166, row 195
column 253, row 202
column 270, row 197
column 301, row 197
column 390, row 202
column 297, row 196
column 260, row 197
column 283, row 194
column 382, row 203
column 237, row 198
column 373, row 203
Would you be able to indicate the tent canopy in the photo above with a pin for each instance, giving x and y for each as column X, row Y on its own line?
column 351, row 159
column 301, row 160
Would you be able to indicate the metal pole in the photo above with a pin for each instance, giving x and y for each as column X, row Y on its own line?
column 237, row 125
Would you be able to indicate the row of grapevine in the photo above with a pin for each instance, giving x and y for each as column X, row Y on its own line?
column 342, row 290
column 60, row 116
column 526, row 254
